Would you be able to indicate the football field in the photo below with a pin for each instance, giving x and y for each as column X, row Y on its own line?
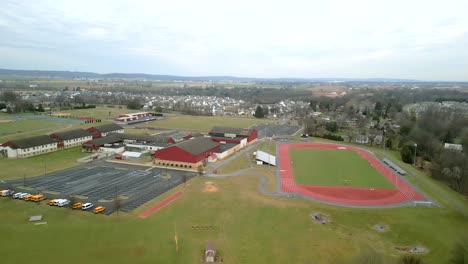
column 335, row 168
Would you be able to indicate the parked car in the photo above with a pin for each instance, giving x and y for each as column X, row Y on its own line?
column 28, row 197
column 87, row 206
column 17, row 195
column 23, row 196
column 77, row 205
column 53, row 201
column 63, row 202
column 99, row 209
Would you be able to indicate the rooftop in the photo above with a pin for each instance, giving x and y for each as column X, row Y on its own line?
column 197, row 146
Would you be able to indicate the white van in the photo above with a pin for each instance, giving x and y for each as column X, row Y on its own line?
column 86, row 206
column 23, row 195
column 17, row 195
column 6, row 192
column 63, row 202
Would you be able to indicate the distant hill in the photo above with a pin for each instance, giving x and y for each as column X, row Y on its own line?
column 142, row 76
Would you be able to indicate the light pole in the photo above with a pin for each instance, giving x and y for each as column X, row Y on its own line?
column 415, row 148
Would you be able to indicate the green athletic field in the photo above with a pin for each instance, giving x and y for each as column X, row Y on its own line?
column 335, row 168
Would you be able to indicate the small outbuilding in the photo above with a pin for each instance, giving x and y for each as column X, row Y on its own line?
column 210, row 252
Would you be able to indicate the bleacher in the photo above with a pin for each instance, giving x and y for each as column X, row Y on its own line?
column 393, row 166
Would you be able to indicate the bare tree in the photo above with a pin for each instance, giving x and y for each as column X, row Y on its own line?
column 408, row 259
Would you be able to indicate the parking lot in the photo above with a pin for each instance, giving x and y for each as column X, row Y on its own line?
column 100, row 182
column 269, row 130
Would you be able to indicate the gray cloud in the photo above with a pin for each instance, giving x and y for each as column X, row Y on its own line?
column 363, row 38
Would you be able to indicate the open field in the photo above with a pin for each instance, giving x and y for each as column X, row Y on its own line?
column 335, row 168
column 25, row 127
column 248, row 227
column 101, row 112
column 39, row 165
column 203, row 123
column 277, row 230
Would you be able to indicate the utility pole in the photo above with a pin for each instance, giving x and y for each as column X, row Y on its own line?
column 415, row 149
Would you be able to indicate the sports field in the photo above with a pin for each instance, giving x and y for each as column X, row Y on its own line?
column 335, row 168
column 203, row 123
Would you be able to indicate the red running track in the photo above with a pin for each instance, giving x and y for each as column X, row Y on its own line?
column 160, row 205
column 346, row 195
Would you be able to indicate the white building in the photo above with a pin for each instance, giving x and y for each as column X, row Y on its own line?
column 71, row 138
column 27, row 147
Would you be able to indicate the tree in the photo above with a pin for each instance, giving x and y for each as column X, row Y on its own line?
column 40, row 108
column 332, row 127
column 313, row 105
column 2, row 105
column 134, row 104
column 259, row 112
column 407, row 153
column 378, row 109
column 460, row 252
column 200, row 170
column 9, row 97
column 158, row 109
column 408, row 259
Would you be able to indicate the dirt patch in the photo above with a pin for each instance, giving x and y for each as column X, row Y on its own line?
column 381, row 228
column 5, row 121
column 210, row 187
column 413, row 250
column 320, row 218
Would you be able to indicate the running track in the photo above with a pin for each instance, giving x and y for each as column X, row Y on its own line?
column 160, row 205
column 347, row 195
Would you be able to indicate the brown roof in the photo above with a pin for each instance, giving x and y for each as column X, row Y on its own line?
column 30, row 142
column 72, row 134
column 231, row 130
column 112, row 138
column 197, row 146
column 108, row 128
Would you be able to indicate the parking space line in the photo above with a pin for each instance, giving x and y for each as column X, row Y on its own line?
column 120, row 168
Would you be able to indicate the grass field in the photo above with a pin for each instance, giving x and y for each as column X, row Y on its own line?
column 203, row 123
column 335, row 168
column 276, row 230
column 38, row 165
column 101, row 112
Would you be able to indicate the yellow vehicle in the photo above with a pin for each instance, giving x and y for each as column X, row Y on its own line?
column 53, row 201
column 38, row 198
column 77, row 205
column 99, row 209
column 28, row 197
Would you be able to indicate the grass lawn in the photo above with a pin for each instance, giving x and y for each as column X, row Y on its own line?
column 102, row 112
column 25, row 127
column 204, row 123
column 335, row 168
column 248, row 228
column 38, row 165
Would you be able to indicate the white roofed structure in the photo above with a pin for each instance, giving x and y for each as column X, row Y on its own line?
column 265, row 158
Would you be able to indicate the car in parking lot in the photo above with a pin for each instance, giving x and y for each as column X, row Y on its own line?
column 87, row 206
column 77, row 205
column 23, row 196
column 62, row 202
column 99, row 209
column 17, row 195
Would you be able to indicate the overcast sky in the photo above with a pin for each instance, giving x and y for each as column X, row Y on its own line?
column 426, row 40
